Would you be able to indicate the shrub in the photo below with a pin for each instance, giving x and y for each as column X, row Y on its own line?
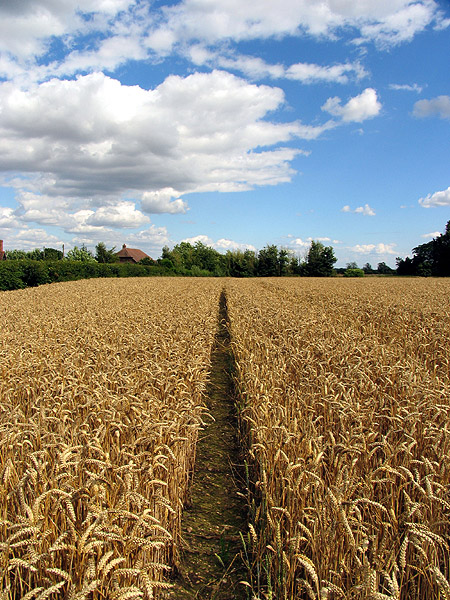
column 35, row 272
column 11, row 275
column 354, row 273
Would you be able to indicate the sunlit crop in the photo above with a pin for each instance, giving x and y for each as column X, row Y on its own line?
column 100, row 407
column 344, row 406
column 345, row 411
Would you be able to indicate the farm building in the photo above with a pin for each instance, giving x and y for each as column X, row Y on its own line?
column 130, row 255
column 2, row 253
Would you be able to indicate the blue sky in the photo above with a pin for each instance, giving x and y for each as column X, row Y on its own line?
column 238, row 124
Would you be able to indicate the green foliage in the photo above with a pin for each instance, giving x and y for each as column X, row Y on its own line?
column 16, row 254
column 147, row 261
column 431, row 258
column 268, row 262
column 52, row 254
column 319, row 261
column 352, row 272
column 240, row 264
column 18, row 274
column 271, row 261
column 103, row 255
column 36, row 254
column 198, row 259
column 384, row 269
column 35, row 272
column 81, row 254
column 11, row 275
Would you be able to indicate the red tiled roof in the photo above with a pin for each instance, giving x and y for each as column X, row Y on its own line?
column 133, row 253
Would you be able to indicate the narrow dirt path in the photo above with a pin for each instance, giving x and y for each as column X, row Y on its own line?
column 211, row 563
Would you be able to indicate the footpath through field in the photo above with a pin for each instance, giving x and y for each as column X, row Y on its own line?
column 211, row 564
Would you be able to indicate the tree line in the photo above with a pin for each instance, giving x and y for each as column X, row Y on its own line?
column 23, row 269
column 201, row 260
column 271, row 261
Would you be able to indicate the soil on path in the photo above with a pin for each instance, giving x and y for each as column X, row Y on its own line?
column 211, row 563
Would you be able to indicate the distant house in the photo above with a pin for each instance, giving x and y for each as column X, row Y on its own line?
column 130, row 255
column 2, row 253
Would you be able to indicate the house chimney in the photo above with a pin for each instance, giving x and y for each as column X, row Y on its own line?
column 124, row 246
column 1, row 247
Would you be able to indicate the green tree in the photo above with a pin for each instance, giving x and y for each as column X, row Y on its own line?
column 16, row 254
column 268, row 261
column 320, row 260
column 240, row 263
column 185, row 256
column 182, row 256
column 206, row 258
column 384, row 269
column 283, row 261
column 52, row 254
column 81, row 254
column 431, row 258
column 36, row 254
column 166, row 253
column 103, row 255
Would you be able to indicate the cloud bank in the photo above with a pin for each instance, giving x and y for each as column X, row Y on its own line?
column 130, row 30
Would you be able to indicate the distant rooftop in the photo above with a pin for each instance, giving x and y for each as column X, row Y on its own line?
column 131, row 254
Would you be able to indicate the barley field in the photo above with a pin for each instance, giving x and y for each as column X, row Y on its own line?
column 100, row 408
column 345, row 412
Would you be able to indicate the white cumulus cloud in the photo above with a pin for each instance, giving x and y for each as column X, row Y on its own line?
column 138, row 30
column 226, row 244
column 8, row 218
column 357, row 109
column 108, row 143
column 437, row 199
column 27, row 26
column 300, row 244
column 377, row 249
column 122, row 214
column 28, row 238
column 203, row 239
column 163, row 201
column 385, row 22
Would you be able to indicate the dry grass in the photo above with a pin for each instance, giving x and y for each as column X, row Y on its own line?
column 100, row 408
column 346, row 409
